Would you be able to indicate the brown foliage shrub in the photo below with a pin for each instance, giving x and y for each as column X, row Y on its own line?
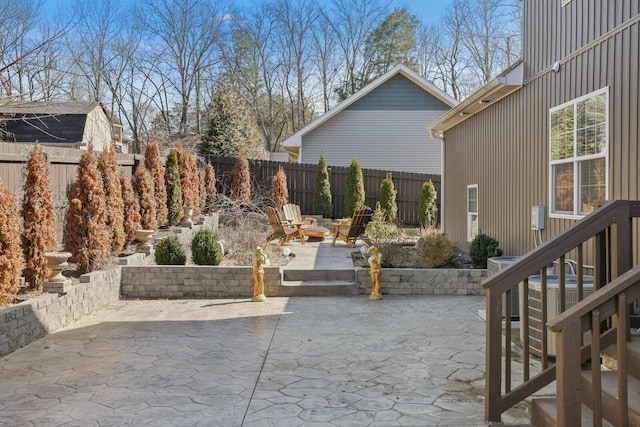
column 153, row 163
column 210, row 187
column 38, row 214
column 279, row 191
column 87, row 235
column 108, row 166
column 11, row 258
column 189, row 179
column 435, row 248
column 131, row 209
column 202, row 190
column 241, row 182
column 143, row 186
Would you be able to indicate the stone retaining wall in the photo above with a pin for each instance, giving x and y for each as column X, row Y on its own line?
column 194, row 281
column 425, row 281
column 26, row 322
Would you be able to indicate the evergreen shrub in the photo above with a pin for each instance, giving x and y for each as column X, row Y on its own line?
column 175, row 209
column 435, row 249
column 11, row 257
column 387, row 199
column 205, row 249
column 427, row 207
column 170, row 252
column 482, row 248
column 354, row 196
column 322, row 204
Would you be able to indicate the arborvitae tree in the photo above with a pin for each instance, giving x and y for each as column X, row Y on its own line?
column 11, row 259
column 354, row 196
column 131, row 209
column 322, row 204
column 38, row 215
column 143, row 187
column 232, row 129
column 241, row 182
column 175, row 209
column 279, row 191
column 153, row 163
column 387, row 198
column 87, row 235
column 189, row 179
column 108, row 166
column 210, row 187
column 428, row 208
column 203, row 190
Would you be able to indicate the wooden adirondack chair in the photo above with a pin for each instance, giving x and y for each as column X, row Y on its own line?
column 355, row 229
column 283, row 231
column 293, row 214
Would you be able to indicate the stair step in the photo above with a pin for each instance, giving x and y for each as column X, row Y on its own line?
column 610, row 394
column 633, row 356
column 317, row 288
column 324, row 275
column 544, row 414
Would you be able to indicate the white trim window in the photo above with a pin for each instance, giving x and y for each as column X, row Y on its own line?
column 472, row 212
column 578, row 153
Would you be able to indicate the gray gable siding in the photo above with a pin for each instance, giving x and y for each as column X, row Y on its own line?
column 399, row 94
column 387, row 140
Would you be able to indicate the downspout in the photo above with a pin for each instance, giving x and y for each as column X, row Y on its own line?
column 439, row 135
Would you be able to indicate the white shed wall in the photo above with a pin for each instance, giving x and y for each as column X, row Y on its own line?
column 97, row 130
column 387, row 140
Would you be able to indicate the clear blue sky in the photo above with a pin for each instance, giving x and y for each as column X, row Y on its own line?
column 427, row 11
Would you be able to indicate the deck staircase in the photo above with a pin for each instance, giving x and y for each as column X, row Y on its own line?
column 595, row 361
column 544, row 411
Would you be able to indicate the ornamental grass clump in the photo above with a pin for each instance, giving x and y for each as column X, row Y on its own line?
column 38, row 219
column 175, row 209
column 435, row 249
column 108, row 166
column 11, row 258
column 482, row 248
column 170, row 252
column 205, row 249
column 279, row 192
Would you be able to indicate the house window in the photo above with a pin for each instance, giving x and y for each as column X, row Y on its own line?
column 578, row 154
column 472, row 212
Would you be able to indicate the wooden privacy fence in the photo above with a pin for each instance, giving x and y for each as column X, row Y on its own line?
column 63, row 167
column 301, row 179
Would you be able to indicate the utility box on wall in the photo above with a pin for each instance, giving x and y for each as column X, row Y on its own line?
column 537, row 218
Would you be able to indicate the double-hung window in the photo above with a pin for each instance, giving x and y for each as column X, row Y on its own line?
column 472, row 212
column 578, row 172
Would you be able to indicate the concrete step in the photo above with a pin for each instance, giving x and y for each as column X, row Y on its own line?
column 317, row 288
column 318, row 275
column 609, row 356
column 544, row 414
column 610, row 395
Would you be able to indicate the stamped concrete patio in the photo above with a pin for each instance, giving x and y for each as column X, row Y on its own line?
column 325, row 361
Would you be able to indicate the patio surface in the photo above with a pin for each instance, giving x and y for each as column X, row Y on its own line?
column 312, row 361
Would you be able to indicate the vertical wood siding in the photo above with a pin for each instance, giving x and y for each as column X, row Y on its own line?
column 504, row 149
column 552, row 32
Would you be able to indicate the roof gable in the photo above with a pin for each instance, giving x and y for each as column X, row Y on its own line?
column 399, row 94
column 296, row 139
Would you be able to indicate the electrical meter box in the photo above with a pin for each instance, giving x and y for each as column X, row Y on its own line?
column 537, row 217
